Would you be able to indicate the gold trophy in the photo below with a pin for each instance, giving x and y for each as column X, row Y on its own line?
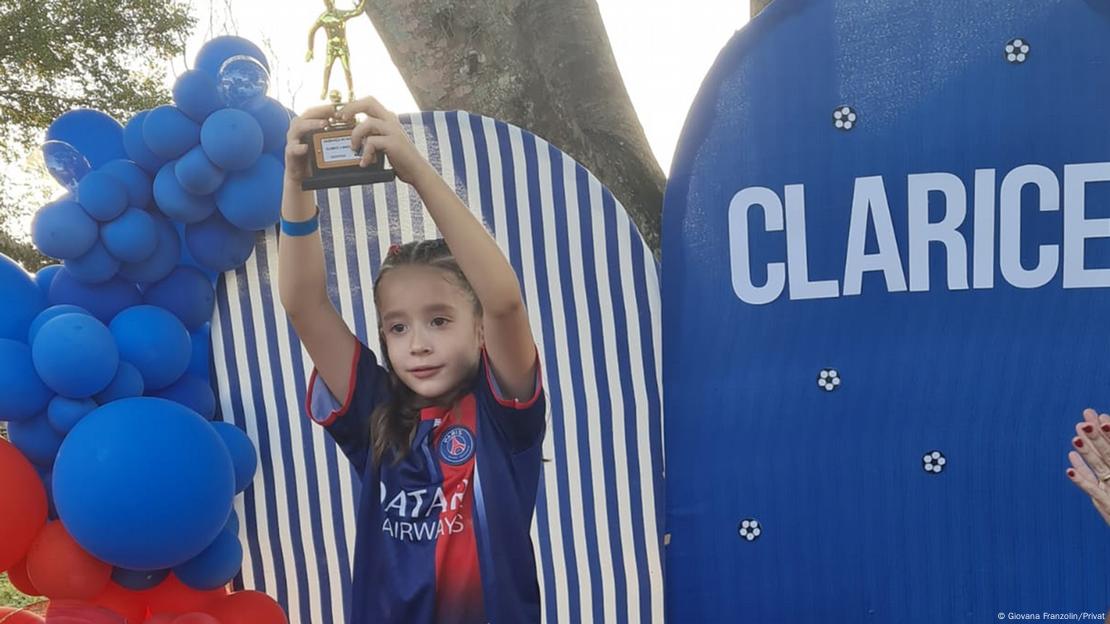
column 334, row 164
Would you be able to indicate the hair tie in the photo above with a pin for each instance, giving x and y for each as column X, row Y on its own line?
column 394, row 249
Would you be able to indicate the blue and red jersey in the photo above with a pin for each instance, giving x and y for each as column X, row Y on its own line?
column 443, row 535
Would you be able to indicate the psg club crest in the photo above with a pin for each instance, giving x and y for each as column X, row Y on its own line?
column 456, row 446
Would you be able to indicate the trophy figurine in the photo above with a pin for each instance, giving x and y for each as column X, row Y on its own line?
column 334, row 164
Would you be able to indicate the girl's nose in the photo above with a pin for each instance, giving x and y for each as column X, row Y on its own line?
column 419, row 343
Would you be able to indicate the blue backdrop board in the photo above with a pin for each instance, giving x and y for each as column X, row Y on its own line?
column 887, row 248
column 592, row 289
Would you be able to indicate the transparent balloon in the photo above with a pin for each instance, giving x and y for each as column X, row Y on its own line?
column 242, row 78
column 65, row 163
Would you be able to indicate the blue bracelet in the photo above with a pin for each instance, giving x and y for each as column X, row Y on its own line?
column 301, row 228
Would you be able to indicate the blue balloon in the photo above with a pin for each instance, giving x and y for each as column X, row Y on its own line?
column 75, row 355
column 232, row 525
column 199, row 364
column 103, row 301
column 36, row 439
column 51, row 313
column 243, row 454
column 44, row 278
column 196, row 95
column 144, row 483
column 103, row 196
column 65, row 163
column 242, row 78
column 251, row 199
column 133, row 178
column 168, row 132
column 232, row 139
column 95, row 266
column 127, row 383
column 177, row 203
column 22, row 393
column 130, row 237
column 217, row 245
column 22, row 300
column 192, row 392
column 187, row 293
column 63, row 413
column 138, row 580
column 97, row 136
column 137, row 149
column 155, row 342
column 274, row 120
column 47, row 478
column 197, row 174
column 63, row 230
column 216, row 566
column 213, row 53
column 162, row 261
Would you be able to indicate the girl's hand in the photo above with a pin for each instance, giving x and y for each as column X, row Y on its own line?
column 1090, row 460
column 380, row 131
column 296, row 150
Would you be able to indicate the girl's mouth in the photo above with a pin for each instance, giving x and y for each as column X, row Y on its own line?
column 425, row 371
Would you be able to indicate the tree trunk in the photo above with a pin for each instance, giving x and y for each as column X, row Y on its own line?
column 543, row 65
column 759, row 5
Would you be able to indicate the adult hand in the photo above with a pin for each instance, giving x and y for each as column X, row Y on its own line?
column 1090, row 460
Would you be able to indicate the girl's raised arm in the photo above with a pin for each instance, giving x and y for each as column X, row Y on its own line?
column 508, row 336
column 301, row 277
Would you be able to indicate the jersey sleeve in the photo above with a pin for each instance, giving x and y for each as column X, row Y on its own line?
column 347, row 420
column 519, row 422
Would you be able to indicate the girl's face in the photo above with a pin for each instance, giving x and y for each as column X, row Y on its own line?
column 431, row 330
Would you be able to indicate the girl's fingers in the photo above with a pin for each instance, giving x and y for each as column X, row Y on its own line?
column 323, row 111
column 367, row 127
column 367, row 105
column 301, row 126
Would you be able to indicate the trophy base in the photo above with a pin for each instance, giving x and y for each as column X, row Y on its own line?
column 357, row 176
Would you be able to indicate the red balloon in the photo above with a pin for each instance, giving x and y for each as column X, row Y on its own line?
column 195, row 618
column 161, row 618
column 131, row 605
column 247, row 607
column 173, row 596
column 17, row 575
column 61, row 569
column 79, row 612
column 22, row 505
column 11, row 615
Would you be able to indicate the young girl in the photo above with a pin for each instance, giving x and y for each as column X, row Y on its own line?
column 447, row 435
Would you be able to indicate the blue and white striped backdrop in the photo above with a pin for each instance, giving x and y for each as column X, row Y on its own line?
column 592, row 290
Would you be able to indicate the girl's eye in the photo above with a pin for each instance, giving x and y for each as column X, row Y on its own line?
column 397, row 328
column 439, row 321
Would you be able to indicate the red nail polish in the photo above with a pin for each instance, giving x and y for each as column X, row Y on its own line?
column 1078, row 443
column 1071, row 473
column 1106, row 427
column 1088, row 428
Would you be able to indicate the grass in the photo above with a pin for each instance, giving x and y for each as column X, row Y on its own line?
column 12, row 597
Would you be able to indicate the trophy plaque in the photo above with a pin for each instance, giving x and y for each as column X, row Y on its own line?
column 334, row 164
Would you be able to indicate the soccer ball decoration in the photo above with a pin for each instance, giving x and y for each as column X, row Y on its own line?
column 828, row 379
column 749, row 529
column 933, row 462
